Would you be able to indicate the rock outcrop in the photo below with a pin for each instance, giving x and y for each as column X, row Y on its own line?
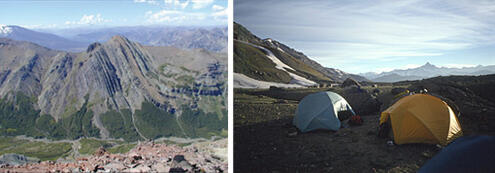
column 362, row 102
column 350, row 82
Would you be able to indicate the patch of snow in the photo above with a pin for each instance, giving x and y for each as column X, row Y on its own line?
column 278, row 64
column 4, row 29
column 243, row 81
column 296, row 79
column 300, row 80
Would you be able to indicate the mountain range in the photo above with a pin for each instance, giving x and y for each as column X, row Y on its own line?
column 427, row 71
column 77, row 39
column 114, row 89
column 261, row 63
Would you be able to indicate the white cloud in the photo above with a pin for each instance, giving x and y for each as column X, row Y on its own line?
column 344, row 31
column 152, row 2
column 217, row 7
column 198, row 4
column 89, row 20
column 177, row 3
column 174, row 17
column 220, row 15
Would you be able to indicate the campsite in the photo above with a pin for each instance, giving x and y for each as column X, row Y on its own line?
column 266, row 140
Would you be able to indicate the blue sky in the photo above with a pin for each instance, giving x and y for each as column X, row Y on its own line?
column 362, row 36
column 41, row 14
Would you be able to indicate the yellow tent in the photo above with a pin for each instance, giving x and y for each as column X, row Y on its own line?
column 422, row 118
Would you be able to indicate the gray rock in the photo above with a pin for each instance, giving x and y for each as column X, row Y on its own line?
column 361, row 101
column 16, row 159
column 179, row 163
column 350, row 82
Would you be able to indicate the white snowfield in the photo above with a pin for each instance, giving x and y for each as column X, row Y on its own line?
column 4, row 29
column 296, row 79
column 243, row 81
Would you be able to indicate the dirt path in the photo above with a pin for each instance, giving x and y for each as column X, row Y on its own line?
column 75, row 149
column 137, row 129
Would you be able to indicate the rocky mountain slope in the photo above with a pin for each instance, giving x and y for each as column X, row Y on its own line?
column 263, row 62
column 116, row 89
column 48, row 40
column 427, row 71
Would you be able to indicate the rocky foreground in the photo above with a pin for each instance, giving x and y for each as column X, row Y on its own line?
column 145, row 157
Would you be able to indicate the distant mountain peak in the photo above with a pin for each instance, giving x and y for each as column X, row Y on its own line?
column 428, row 65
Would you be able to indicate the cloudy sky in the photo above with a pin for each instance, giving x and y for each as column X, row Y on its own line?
column 362, row 36
column 101, row 13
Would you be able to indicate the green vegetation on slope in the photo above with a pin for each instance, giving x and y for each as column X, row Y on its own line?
column 123, row 148
column 20, row 118
column 155, row 123
column 41, row 150
column 252, row 62
column 89, row 146
column 243, row 34
column 17, row 116
column 119, row 124
column 200, row 124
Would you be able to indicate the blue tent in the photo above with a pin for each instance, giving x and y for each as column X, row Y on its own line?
column 320, row 111
column 465, row 154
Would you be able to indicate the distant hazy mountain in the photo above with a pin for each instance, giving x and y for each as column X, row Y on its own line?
column 45, row 39
column 114, row 89
column 210, row 38
column 77, row 39
column 267, row 62
column 427, row 71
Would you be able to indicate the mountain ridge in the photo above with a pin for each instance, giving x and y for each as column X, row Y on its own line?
column 427, row 70
column 117, row 79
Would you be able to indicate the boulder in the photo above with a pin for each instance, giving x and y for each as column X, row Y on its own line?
column 100, row 152
column 361, row 101
column 180, row 163
column 114, row 166
column 139, row 168
column 350, row 82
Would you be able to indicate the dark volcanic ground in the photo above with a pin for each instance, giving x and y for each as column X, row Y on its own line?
column 267, row 147
column 264, row 140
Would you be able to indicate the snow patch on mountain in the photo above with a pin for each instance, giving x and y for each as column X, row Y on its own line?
column 243, row 81
column 4, row 29
column 296, row 79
